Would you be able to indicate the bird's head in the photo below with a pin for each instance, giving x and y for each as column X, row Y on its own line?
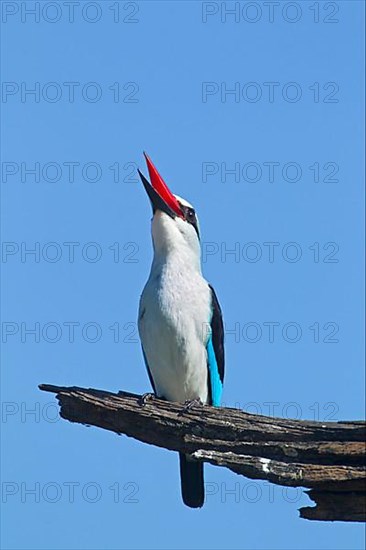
column 174, row 224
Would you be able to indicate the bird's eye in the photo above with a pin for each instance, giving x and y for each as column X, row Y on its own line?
column 191, row 213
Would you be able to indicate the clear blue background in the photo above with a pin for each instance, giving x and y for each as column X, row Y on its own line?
column 169, row 51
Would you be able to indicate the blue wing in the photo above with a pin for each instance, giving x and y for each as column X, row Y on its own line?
column 215, row 352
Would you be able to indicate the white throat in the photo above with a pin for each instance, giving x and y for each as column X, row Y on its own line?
column 175, row 240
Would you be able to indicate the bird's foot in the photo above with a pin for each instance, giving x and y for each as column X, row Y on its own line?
column 189, row 404
column 145, row 398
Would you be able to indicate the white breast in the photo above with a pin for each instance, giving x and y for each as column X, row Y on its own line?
column 173, row 324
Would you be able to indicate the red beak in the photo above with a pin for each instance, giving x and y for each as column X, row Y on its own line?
column 162, row 189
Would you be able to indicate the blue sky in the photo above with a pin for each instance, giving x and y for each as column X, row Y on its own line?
column 277, row 99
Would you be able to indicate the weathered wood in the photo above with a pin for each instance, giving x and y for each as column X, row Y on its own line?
column 333, row 506
column 327, row 457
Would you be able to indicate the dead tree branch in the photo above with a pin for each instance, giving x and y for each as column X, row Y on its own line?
column 326, row 457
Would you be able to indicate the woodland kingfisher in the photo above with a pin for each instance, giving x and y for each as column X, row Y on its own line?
column 179, row 320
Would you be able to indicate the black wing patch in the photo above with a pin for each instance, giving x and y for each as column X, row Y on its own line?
column 149, row 372
column 217, row 328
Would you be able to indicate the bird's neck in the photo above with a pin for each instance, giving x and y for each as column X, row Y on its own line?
column 173, row 246
column 182, row 259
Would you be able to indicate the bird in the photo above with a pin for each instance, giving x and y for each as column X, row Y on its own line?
column 180, row 320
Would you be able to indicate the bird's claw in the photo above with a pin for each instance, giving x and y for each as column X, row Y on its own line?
column 189, row 404
column 145, row 398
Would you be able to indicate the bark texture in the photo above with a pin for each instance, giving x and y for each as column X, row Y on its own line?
column 326, row 457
